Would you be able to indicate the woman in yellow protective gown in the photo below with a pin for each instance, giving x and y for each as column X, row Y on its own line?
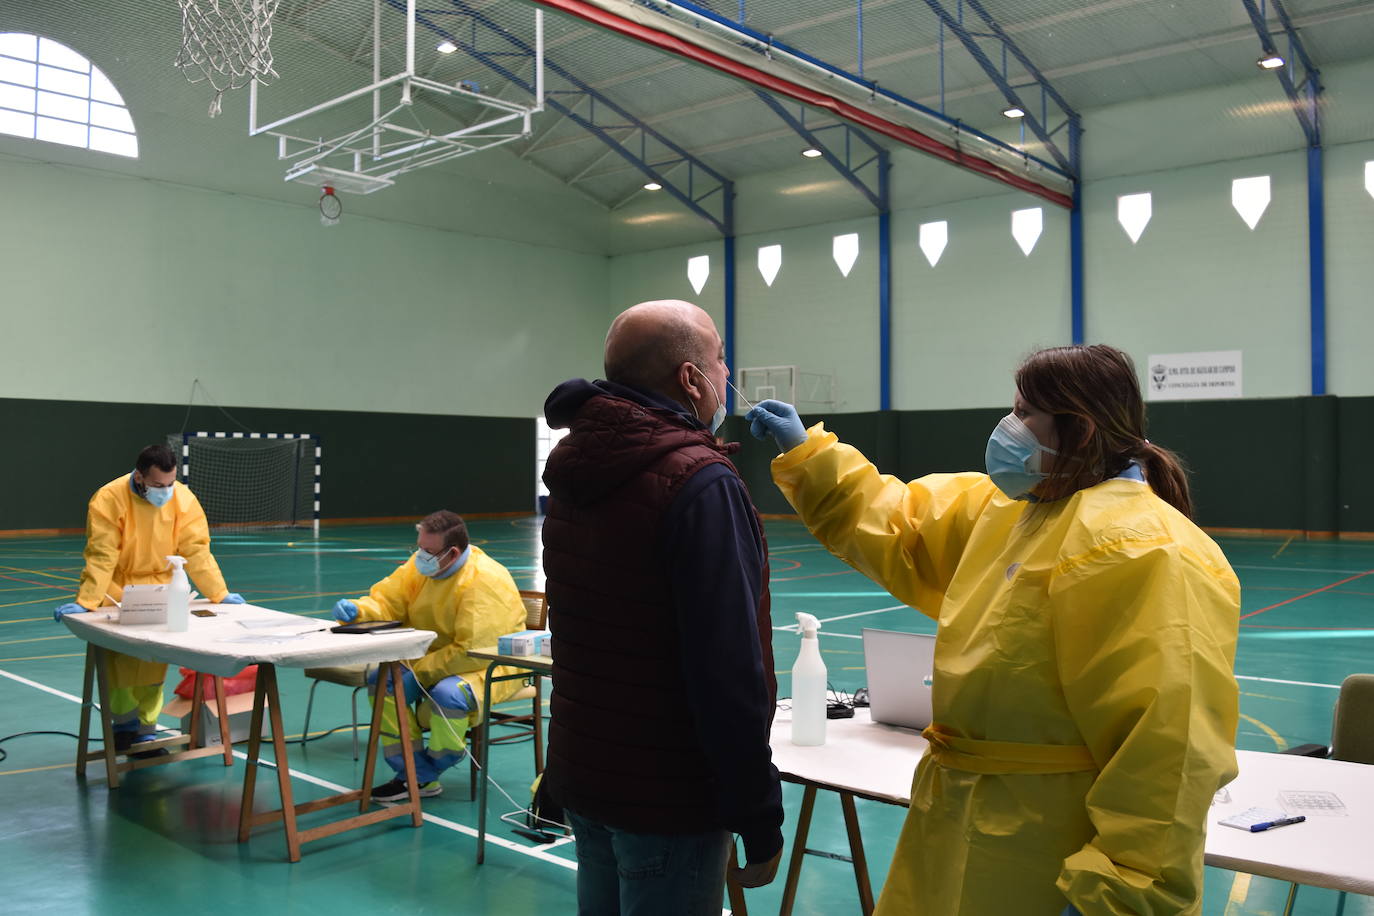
column 1084, row 702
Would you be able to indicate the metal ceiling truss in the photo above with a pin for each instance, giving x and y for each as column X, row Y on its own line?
column 841, row 153
column 703, row 190
column 1304, row 94
column 1037, row 117
column 698, row 34
column 1305, row 97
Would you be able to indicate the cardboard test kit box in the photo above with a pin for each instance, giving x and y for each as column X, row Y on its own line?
column 239, row 706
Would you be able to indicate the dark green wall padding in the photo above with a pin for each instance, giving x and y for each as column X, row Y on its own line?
column 1300, row 464
column 374, row 465
column 1297, row 464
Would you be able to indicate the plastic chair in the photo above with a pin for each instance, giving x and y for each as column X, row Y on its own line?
column 354, row 676
column 1352, row 740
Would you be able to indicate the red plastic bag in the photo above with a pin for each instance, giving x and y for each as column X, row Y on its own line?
column 243, row 682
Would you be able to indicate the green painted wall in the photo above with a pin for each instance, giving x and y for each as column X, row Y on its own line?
column 127, row 290
column 373, row 464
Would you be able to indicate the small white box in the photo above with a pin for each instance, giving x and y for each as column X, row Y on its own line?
column 143, row 604
column 544, row 646
column 525, row 642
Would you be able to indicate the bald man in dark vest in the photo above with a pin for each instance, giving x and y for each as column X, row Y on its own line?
column 656, row 569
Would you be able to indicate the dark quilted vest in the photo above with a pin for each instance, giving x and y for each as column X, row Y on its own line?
column 623, row 749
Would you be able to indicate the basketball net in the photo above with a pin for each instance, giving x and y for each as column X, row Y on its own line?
column 227, row 43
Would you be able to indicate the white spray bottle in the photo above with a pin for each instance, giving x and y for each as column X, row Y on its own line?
column 178, row 597
column 808, row 687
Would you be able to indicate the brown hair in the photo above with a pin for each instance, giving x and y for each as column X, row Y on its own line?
column 450, row 525
column 1094, row 397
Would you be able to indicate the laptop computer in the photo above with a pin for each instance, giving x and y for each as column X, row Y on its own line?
column 899, row 675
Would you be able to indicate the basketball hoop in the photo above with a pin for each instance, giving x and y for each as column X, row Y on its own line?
column 331, row 208
column 227, row 43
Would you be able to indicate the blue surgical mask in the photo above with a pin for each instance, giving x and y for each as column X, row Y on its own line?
column 427, row 564
column 1013, row 458
column 158, row 496
column 718, row 417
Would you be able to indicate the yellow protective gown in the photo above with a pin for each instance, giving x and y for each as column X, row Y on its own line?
column 128, row 540
column 469, row 610
column 1084, row 702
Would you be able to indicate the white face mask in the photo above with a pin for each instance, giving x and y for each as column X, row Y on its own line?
column 718, row 417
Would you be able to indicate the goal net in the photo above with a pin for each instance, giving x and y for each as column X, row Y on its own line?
column 253, row 480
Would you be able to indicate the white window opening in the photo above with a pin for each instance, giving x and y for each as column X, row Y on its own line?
column 545, row 439
column 1250, row 197
column 1133, row 212
column 933, row 239
column 1369, row 178
column 845, row 251
column 1026, row 226
column 698, row 270
column 770, row 262
column 50, row 92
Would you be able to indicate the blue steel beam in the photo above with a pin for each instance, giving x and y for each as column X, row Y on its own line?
column 755, row 36
column 1305, row 97
column 718, row 186
column 840, row 160
column 1010, row 92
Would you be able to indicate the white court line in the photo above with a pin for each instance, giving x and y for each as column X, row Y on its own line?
column 793, row 628
column 540, row 853
column 1274, row 680
column 1312, row 569
column 895, row 607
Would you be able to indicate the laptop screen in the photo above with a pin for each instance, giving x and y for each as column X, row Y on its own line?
column 900, row 667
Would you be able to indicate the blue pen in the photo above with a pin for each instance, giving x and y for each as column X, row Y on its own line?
column 1282, row 822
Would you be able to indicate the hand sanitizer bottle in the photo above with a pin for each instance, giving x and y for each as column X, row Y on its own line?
column 178, row 597
column 808, row 687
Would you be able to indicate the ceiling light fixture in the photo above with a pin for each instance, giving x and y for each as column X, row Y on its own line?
column 1270, row 61
column 1013, row 112
column 446, row 47
column 812, row 153
column 653, row 186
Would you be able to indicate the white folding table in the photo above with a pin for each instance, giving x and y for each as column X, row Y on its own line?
column 866, row 760
column 236, row 637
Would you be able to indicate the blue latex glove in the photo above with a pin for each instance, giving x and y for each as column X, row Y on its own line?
column 69, row 608
column 1070, row 910
column 410, row 686
column 345, row 611
column 779, row 420
column 232, row 598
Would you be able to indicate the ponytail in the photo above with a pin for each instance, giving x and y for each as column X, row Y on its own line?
column 1167, row 477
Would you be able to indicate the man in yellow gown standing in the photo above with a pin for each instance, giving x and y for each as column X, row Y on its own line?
column 133, row 524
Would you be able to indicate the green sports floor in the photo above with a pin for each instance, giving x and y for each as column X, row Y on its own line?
column 166, row 840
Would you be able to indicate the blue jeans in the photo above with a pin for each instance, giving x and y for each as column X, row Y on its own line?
column 648, row 874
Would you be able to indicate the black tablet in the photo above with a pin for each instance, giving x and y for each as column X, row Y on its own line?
column 365, row 626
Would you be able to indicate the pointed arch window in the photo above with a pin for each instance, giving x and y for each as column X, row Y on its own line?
column 50, row 92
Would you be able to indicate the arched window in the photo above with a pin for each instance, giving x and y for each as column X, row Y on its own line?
column 49, row 92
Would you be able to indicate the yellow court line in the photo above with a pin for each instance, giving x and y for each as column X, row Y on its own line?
column 38, row 572
column 35, row 658
column 22, row 620
column 52, row 766
column 33, row 601
column 1240, row 889
column 11, row 642
column 1281, row 744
